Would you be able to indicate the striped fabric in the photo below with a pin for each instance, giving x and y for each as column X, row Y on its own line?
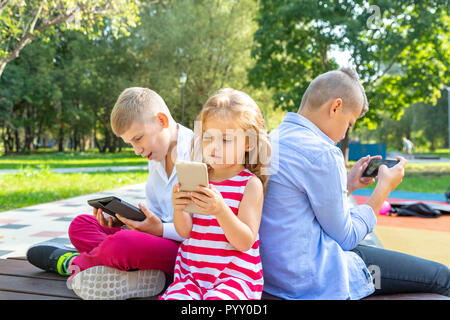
column 207, row 266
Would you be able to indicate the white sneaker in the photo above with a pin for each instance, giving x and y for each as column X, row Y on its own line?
column 106, row 283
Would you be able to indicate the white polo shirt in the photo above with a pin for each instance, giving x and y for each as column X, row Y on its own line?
column 158, row 190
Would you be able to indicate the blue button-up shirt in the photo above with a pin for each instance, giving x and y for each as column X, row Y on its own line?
column 307, row 226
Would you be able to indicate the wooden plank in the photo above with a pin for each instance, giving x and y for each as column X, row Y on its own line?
column 26, row 269
column 19, row 278
column 46, row 287
column 9, row 295
column 408, row 296
column 17, row 258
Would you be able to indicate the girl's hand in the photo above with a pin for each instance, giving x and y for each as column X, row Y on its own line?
column 210, row 201
column 182, row 220
column 180, row 199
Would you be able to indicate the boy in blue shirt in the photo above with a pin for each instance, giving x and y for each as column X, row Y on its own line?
column 309, row 236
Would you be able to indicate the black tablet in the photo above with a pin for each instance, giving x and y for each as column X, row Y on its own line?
column 113, row 205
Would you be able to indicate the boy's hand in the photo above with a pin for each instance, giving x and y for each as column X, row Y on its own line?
column 388, row 180
column 210, row 202
column 110, row 222
column 392, row 177
column 355, row 180
column 179, row 200
column 151, row 225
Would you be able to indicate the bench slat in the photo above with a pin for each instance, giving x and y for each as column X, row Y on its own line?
column 26, row 269
column 46, row 287
column 9, row 295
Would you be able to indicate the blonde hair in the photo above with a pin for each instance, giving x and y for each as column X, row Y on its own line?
column 240, row 108
column 343, row 83
column 136, row 104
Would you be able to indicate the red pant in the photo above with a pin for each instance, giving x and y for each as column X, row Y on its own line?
column 120, row 248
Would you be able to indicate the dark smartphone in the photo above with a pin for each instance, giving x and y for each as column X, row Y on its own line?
column 374, row 164
column 113, row 205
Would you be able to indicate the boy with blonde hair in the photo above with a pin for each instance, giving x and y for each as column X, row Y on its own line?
column 306, row 208
column 141, row 118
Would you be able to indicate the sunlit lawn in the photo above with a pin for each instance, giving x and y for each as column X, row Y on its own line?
column 29, row 187
column 70, row 160
column 430, row 177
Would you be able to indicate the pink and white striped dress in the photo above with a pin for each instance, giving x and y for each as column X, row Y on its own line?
column 208, row 266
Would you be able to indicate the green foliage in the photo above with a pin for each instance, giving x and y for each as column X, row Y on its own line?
column 80, row 77
column 401, row 55
column 208, row 40
column 424, row 124
column 22, row 21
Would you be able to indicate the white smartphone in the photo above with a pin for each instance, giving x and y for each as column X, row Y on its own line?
column 190, row 176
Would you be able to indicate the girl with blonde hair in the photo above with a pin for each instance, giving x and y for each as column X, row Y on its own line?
column 220, row 257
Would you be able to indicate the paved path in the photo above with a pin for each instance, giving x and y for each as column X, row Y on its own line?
column 417, row 159
column 21, row 228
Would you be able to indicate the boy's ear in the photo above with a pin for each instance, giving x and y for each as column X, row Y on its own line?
column 162, row 119
column 336, row 105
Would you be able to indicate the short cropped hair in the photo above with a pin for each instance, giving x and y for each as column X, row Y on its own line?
column 343, row 83
column 136, row 104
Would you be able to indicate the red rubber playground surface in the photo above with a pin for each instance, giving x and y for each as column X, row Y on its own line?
column 428, row 238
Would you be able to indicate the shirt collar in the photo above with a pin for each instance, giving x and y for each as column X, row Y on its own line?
column 184, row 138
column 300, row 120
column 184, row 144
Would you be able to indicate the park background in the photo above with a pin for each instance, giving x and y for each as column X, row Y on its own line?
column 64, row 63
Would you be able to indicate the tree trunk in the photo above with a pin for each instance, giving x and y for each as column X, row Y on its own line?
column 17, row 140
column 3, row 64
column 61, row 138
column 7, row 140
column 344, row 147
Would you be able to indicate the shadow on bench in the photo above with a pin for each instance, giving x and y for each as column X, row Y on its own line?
column 20, row 280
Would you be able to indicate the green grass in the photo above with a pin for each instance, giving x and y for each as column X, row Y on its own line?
column 442, row 152
column 71, row 160
column 29, row 187
column 429, row 178
column 423, row 182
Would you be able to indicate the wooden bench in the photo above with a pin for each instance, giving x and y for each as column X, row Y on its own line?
column 20, row 280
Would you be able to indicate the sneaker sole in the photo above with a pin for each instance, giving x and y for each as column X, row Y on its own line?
column 106, row 283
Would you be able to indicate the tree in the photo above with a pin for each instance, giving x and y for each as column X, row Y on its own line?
column 22, row 21
column 399, row 48
column 208, row 40
column 424, row 124
column 27, row 90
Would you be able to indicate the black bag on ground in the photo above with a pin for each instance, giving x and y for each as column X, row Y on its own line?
column 418, row 209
